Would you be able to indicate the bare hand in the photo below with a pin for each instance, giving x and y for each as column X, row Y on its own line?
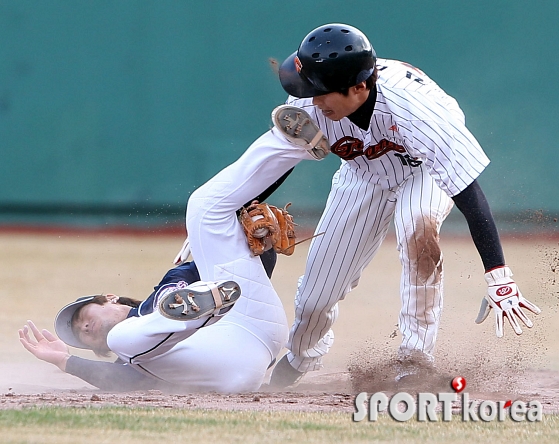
column 44, row 345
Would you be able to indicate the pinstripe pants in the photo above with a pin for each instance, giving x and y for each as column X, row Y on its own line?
column 355, row 221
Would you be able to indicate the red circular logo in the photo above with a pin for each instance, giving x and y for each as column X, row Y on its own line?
column 504, row 290
column 458, row 384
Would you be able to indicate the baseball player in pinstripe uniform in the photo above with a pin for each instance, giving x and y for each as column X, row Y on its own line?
column 407, row 156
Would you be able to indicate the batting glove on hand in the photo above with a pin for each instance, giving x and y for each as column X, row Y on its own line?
column 504, row 297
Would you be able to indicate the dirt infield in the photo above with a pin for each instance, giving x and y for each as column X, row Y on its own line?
column 40, row 273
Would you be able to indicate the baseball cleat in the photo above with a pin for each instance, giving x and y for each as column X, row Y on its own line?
column 424, row 381
column 199, row 299
column 416, row 372
column 297, row 127
column 284, row 375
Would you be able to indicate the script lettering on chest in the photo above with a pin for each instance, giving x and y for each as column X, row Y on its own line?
column 381, row 148
column 348, row 148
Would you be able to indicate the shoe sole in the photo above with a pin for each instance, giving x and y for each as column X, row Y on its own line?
column 298, row 127
column 193, row 303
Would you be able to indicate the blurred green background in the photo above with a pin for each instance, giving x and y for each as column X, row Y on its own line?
column 113, row 111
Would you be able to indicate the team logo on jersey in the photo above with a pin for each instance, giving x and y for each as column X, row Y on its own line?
column 348, row 148
column 298, row 64
column 383, row 147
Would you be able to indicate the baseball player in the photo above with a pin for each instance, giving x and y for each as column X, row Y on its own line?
column 233, row 329
column 407, row 156
column 118, row 375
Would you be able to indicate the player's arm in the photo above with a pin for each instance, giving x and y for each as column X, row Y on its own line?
column 112, row 376
column 475, row 208
column 503, row 295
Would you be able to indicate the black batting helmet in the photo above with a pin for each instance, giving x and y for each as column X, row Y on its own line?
column 331, row 58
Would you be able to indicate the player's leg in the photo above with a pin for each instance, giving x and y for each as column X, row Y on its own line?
column 141, row 339
column 219, row 245
column 355, row 222
column 220, row 250
column 223, row 357
column 264, row 162
column 421, row 209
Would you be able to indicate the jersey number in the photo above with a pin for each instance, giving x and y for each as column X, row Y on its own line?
column 407, row 160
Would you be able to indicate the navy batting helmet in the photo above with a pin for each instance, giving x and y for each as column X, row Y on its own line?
column 331, row 58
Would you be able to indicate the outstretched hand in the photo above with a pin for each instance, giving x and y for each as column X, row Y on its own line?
column 44, row 345
column 506, row 300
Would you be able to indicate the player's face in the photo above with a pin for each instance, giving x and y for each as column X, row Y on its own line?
column 94, row 322
column 336, row 105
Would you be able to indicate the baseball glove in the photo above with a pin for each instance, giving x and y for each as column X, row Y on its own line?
column 267, row 226
column 285, row 243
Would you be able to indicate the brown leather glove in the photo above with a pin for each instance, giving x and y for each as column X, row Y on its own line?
column 285, row 243
column 268, row 226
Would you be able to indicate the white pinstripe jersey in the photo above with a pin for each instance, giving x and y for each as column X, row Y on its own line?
column 415, row 124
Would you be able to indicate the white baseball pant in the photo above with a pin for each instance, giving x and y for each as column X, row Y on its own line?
column 355, row 222
column 233, row 354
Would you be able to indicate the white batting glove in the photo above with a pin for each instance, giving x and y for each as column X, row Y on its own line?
column 504, row 297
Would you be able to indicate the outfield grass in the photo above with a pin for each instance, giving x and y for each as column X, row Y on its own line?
column 125, row 425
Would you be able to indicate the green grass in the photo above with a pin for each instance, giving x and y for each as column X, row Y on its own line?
column 161, row 425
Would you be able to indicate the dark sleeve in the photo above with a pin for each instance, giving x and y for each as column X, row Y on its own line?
column 269, row 259
column 110, row 376
column 262, row 197
column 475, row 208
